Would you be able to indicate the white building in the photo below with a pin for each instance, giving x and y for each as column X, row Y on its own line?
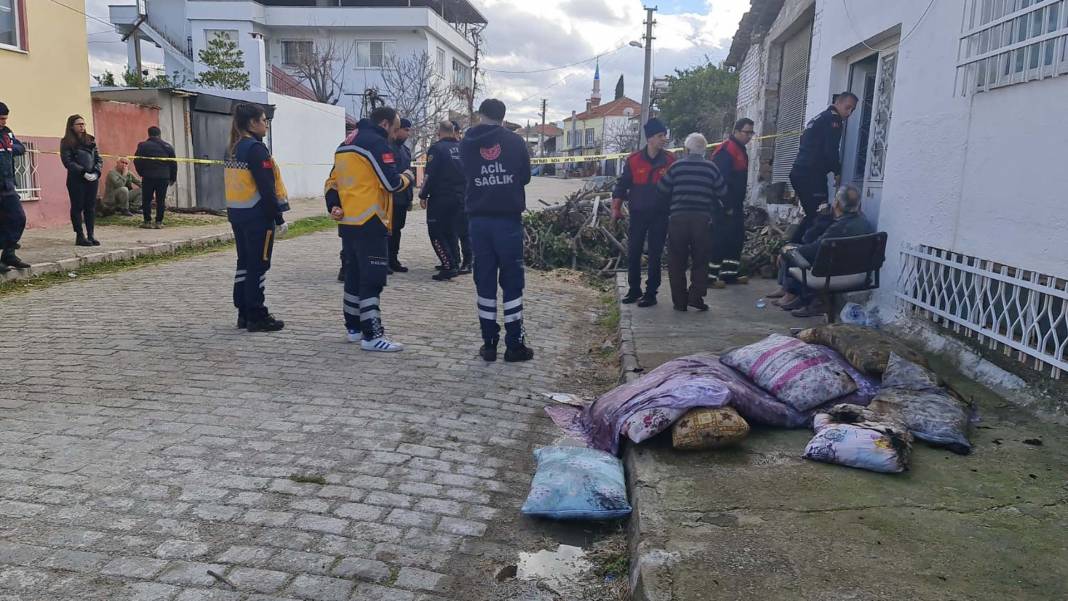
column 958, row 144
column 274, row 34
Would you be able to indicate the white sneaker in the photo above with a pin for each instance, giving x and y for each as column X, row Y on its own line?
column 381, row 345
column 355, row 336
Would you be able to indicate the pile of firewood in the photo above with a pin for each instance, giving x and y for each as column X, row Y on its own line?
column 578, row 234
column 581, row 234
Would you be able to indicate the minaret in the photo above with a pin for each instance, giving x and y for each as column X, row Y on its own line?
column 595, row 98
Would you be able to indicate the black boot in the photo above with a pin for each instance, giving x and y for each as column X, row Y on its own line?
column 242, row 321
column 647, row 301
column 267, row 323
column 519, row 352
column 4, row 268
column 10, row 259
column 631, row 298
column 488, row 352
column 444, row 275
column 396, row 266
column 80, row 240
column 465, row 268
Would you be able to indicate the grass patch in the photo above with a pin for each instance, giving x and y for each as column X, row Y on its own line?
column 609, row 318
column 615, row 564
column 308, row 478
column 300, row 227
column 169, row 220
column 394, row 573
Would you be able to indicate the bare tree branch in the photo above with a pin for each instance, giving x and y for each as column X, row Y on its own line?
column 420, row 94
column 621, row 135
column 323, row 69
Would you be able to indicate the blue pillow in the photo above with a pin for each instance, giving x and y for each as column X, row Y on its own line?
column 576, row 483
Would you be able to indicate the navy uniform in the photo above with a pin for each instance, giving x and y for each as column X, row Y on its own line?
column 443, row 191
column 12, row 217
column 818, row 155
column 255, row 201
column 363, row 183
column 728, row 222
column 497, row 165
column 402, row 202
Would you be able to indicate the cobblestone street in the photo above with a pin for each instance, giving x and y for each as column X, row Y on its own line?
column 145, row 441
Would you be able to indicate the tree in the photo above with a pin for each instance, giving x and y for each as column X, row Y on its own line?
column 226, row 64
column 700, row 99
column 106, row 79
column 419, row 93
column 621, row 135
column 619, row 88
column 323, row 69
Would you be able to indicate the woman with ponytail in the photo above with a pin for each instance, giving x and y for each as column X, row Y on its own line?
column 255, row 201
column 78, row 152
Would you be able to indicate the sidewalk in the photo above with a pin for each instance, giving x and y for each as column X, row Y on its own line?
column 52, row 249
column 759, row 523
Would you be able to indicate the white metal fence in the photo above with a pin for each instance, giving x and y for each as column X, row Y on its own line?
column 1023, row 313
column 26, row 174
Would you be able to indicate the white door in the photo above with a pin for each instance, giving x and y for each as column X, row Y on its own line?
column 882, row 110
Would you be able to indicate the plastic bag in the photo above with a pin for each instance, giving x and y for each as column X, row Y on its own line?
column 709, row 429
column 911, row 393
column 798, row 374
column 866, row 349
column 857, row 437
column 577, row 483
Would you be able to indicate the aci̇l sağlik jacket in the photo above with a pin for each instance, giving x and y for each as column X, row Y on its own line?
column 254, row 187
column 365, row 177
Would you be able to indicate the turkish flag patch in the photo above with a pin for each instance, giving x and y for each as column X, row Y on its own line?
column 492, row 153
column 268, row 164
column 388, row 159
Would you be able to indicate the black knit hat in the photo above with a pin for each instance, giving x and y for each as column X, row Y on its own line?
column 406, row 123
column 3, row 109
column 491, row 108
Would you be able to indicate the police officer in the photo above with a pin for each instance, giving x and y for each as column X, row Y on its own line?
column 648, row 213
column 359, row 196
column 402, row 201
column 12, row 217
column 443, row 198
column 497, row 165
column 255, row 201
column 728, row 223
column 819, row 154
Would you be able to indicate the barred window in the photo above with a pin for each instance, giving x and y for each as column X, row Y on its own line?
column 26, row 174
column 1006, row 42
column 296, row 52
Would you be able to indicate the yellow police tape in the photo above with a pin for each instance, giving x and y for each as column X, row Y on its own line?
column 585, row 158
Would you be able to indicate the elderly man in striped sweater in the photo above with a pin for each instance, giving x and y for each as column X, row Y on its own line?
column 693, row 187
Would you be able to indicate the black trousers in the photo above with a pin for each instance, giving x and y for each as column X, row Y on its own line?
column 464, row 235
column 400, row 218
column 728, row 239
column 690, row 240
column 811, row 188
column 153, row 187
column 82, row 203
column 12, row 220
column 441, row 220
column 255, row 246
column 651, row 227
column 365, row 249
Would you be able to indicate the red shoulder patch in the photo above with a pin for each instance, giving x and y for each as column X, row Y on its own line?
column 268, row 164
column 387, row 158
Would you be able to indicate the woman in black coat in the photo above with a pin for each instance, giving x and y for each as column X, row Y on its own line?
column 82, row 160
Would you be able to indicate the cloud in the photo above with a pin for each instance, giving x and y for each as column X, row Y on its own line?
column 524, row 35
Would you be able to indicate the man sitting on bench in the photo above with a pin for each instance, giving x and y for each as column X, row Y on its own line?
column 848, row 221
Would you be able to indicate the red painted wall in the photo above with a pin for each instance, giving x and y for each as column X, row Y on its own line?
column 119, row 127
column 54, row 206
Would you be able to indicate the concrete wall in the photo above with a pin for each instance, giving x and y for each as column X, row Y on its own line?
column 982, row 174
column 119, row 128
column 306, row 133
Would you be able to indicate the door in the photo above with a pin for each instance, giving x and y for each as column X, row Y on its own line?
column 855, row 142
column 882, row 110
column 793, row 95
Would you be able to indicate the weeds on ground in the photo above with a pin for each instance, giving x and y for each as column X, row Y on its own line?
column 169, row 220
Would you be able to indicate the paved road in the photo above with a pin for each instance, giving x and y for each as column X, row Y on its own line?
column 144, row 440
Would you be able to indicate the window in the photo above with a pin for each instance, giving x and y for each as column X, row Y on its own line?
column 296, row 52
column 441, row 62
column 589, row 136
column 1005, row 42
column 26, row 174
column 211, row 34
column 11, row 14
column 461, row 74
column 372, row 55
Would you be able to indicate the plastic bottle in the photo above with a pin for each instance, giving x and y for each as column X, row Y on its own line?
column 760, row 304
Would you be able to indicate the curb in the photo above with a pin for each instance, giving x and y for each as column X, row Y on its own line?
column 650, row 576
column 121, row 254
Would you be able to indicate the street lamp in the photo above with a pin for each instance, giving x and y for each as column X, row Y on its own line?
column 636, row 44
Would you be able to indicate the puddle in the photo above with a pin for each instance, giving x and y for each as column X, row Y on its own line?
column 557, row 569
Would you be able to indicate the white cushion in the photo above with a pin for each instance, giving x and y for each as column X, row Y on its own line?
column 838, row 282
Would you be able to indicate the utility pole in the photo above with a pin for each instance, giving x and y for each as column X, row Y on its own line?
column 646, row 88
column 541, row 132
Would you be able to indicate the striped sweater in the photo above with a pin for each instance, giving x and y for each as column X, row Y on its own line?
column 693, row 184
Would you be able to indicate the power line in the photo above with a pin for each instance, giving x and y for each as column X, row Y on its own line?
column 581, row 62
column 853, row 24
column 81, row 12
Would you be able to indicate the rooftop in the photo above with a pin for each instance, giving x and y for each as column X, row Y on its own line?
column 453, row 11
column 616, row 108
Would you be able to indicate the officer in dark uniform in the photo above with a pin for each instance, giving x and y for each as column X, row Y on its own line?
column 12, row 217
column 255, row 201
column 728, row 223
column 443, row 198
column 402, row 201
column 819, row 154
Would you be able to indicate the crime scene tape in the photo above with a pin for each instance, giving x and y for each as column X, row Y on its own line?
column 565, row 160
